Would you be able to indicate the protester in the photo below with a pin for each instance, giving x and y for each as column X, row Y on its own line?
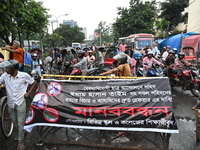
column 17, row 53
column 16, row 83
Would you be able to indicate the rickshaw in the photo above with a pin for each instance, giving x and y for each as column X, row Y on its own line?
column 6, row 124
column 37, row 51
column 190, row 53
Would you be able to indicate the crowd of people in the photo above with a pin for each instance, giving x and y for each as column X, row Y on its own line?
column 124, row 64
column 94, row 56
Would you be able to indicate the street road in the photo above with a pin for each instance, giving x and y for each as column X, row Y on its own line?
column 185, row 118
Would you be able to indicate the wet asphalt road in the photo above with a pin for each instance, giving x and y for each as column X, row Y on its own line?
column 184, row 140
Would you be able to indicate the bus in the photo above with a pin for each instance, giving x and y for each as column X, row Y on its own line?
column 76, row 45
column 138, row 41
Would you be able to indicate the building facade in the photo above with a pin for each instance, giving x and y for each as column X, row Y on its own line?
column 193, row 16
column 72, row 23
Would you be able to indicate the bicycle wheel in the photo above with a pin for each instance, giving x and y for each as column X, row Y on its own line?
column 6, row 123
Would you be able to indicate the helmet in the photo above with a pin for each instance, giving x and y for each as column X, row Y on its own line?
column 181, row 54
column 122, row 57
column 90, row 51
column 80, row 54
column 171, row 51
column 150, row 53
column 174, row 49
column 34, row 55
column 168, row 47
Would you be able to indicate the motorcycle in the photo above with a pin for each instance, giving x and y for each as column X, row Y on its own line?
column 74, row 71
column 188, row 79
column 155, row 71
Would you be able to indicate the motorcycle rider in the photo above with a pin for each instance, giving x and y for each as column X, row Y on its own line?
column 156, row 52
column 165, row 54
column 112, row 51
column 90, row 59
column 175, row 52
column 123, row 69
column 36, row 64
column 169, row 62
column 148, row 61
column 179, row 64
column 82, row 64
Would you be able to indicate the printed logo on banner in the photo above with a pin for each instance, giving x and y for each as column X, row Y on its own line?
column 40, row 101
column 50, row 114
column 54, row 88
column 30, row 116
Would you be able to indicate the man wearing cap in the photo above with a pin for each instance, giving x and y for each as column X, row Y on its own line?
column 17, row 53
column 16, row 83
column 165, row 54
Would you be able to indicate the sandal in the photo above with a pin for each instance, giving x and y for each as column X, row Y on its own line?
column 20, row 145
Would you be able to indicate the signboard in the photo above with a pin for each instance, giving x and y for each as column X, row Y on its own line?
column 116, row 104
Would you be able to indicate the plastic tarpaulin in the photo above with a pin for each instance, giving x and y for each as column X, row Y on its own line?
column 175, row 40
column 27, row 62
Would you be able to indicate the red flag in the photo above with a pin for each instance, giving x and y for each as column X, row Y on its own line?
column 96, row 35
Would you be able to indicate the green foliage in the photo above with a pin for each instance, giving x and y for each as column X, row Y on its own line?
column 21, row 17
column 162, row 25
column 64, row 36
column 103, row 30
column 172, row 10
column 138, row 18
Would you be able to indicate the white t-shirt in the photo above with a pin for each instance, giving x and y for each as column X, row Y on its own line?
column 48, row 59
column 35, row 65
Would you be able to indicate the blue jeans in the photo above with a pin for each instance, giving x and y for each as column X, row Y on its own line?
column 21, row 67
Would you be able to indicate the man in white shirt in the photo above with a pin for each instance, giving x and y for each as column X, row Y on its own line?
column 165, row 54
column 156, row 52
column 16, row 83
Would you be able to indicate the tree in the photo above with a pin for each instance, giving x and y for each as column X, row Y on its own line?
column 103, row 31
column 29, row 17
column 70, row 34
column 171, row 11
column 162, row 26
column 138, row 18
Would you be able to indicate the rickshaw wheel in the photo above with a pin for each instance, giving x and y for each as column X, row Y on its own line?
column 6, row 123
